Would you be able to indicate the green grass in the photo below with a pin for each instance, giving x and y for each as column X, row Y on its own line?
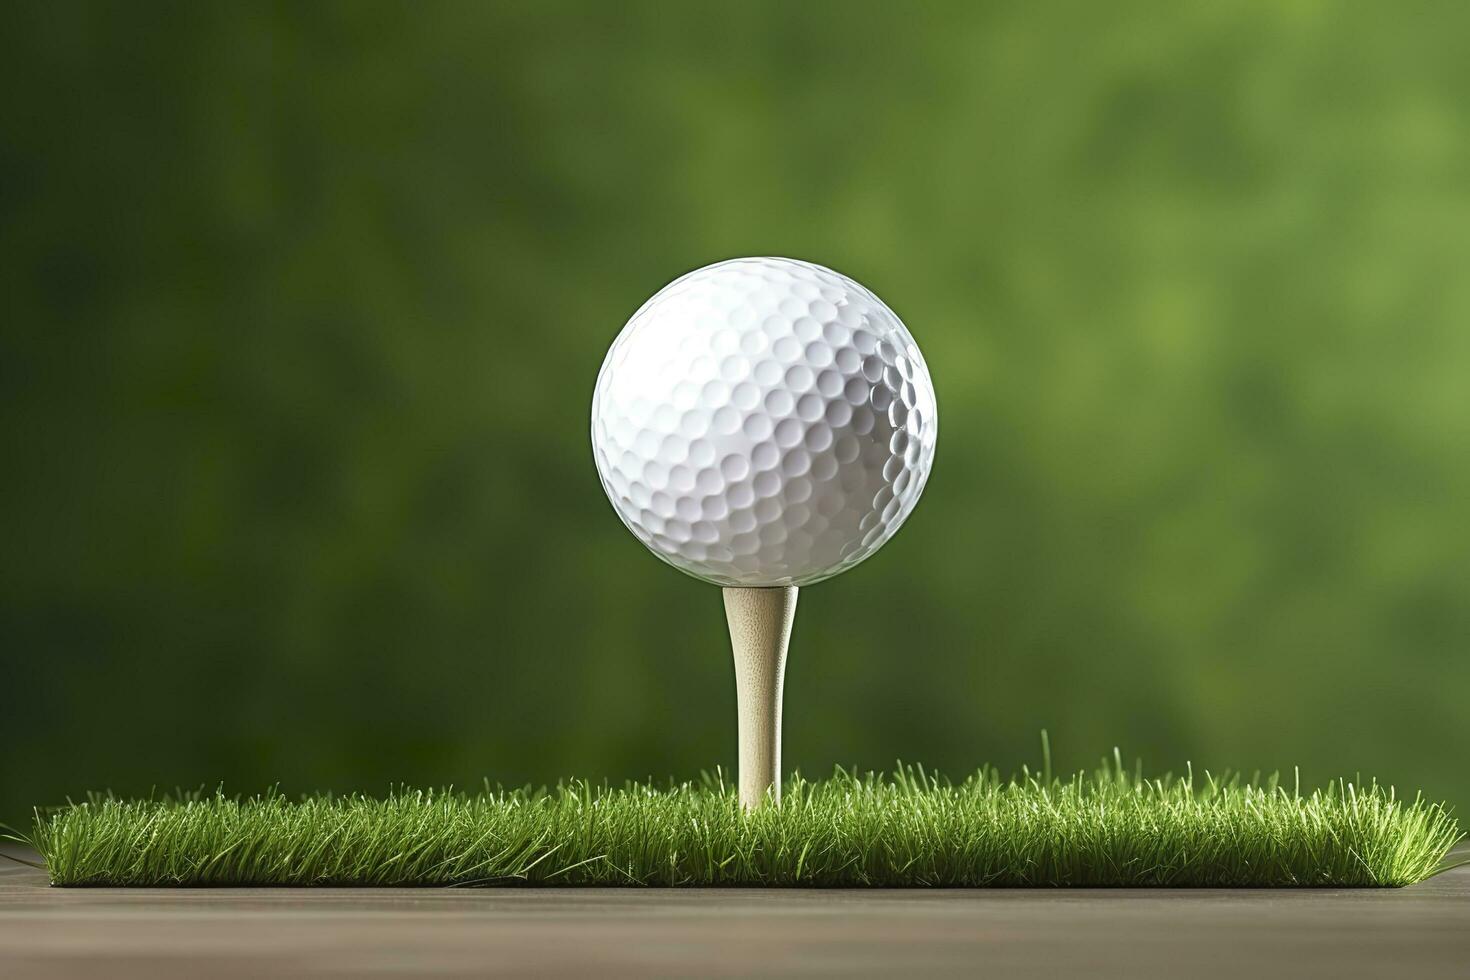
column 1109, row 828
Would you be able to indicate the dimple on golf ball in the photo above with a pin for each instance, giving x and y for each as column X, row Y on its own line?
column 764, row 422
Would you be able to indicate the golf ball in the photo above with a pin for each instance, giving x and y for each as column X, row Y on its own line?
column 764, row 422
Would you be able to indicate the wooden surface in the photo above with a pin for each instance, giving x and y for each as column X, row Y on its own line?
column 1423, row 931
column 760, row 631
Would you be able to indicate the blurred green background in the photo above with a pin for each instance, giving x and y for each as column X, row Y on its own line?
column 301, row 307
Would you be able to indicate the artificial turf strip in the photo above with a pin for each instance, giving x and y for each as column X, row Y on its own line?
column 1110, row 828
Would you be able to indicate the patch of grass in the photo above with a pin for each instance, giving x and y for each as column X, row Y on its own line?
column 1108, row 828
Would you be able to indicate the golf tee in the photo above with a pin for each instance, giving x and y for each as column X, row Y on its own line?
column 760, row 630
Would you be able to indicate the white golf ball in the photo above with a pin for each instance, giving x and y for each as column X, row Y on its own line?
column 764, row 422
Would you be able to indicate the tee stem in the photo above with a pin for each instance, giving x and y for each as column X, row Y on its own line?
column 760, row 630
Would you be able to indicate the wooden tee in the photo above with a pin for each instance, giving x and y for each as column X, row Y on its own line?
column 760, row 630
